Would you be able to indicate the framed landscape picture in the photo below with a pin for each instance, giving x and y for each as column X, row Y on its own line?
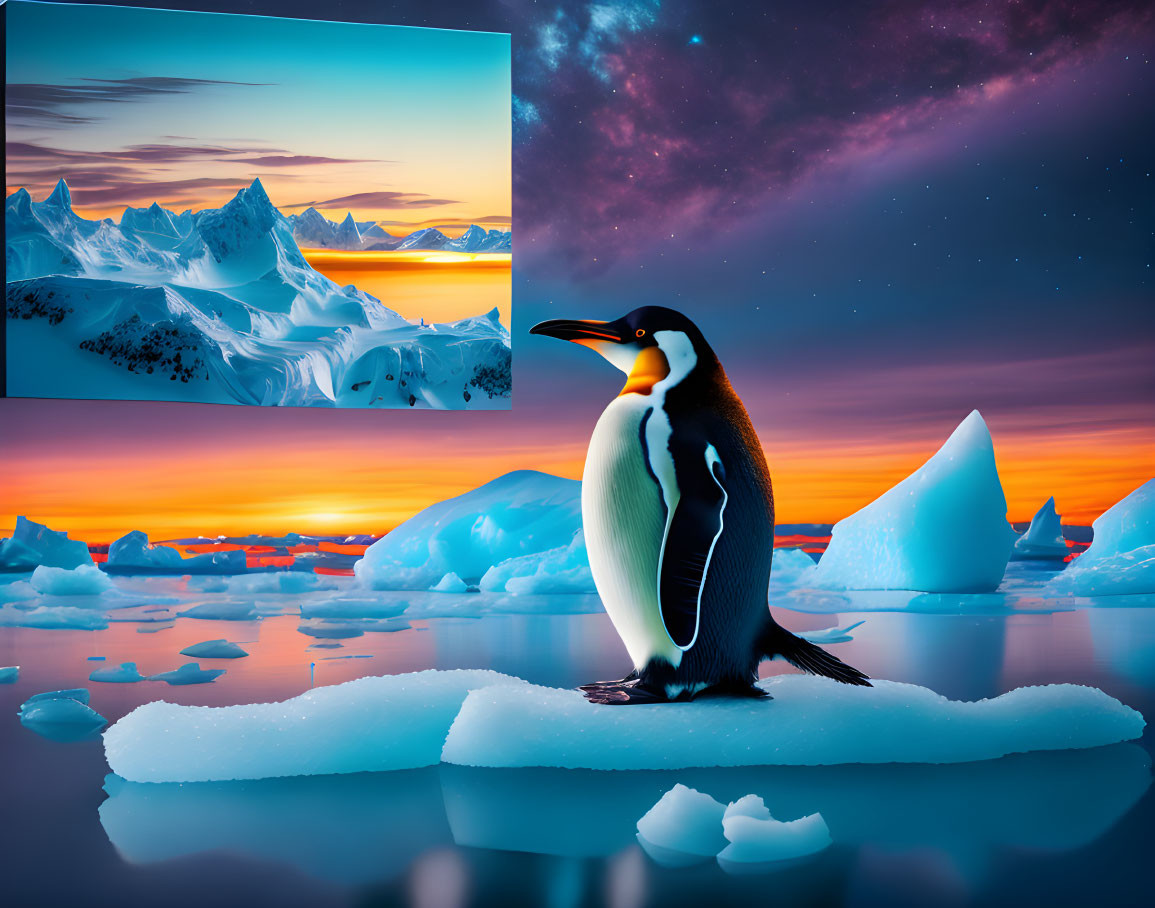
column 247, row 210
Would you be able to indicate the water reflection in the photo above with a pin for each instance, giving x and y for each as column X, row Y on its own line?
column 370, row 827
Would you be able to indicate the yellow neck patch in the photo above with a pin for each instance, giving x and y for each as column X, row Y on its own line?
column 650, row 367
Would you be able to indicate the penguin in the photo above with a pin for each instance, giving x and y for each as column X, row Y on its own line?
column 678, row 514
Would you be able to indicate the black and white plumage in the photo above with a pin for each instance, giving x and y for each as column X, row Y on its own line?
column 678, row 513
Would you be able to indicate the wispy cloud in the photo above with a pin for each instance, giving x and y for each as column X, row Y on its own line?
column 300, row 160
column 55, row 104
column 377, row 200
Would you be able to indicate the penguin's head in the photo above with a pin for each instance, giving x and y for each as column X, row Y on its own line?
column 651, row 344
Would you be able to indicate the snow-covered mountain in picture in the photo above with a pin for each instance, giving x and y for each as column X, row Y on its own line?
column 313, row 230
column 220, row 306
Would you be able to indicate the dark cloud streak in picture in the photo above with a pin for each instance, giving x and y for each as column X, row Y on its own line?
column 48, row 104
column 377, row 200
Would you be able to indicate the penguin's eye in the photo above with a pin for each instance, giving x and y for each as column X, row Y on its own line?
column 641, row 332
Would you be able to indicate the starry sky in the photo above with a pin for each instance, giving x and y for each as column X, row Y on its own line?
column 881, row 215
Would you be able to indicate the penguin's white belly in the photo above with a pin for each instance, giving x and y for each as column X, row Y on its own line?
column 624, row 521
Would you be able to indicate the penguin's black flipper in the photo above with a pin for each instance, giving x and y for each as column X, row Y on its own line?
column 691, row 533
column 810, row 658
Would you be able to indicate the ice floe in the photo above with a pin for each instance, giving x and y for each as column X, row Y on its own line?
column 84, row 580
column 58, row 617
column 755, row 837
column 366, row 725
column 9, row 674
column 943, row 529
column 685, row 820
column 189, row 673
column 403, row 721
column 125, row 673
column 214, row 649
column 61, row 716
column 1121, row 558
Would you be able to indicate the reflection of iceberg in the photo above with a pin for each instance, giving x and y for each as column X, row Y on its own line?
column 943, row 529
column 352, row 829
column 956, row 809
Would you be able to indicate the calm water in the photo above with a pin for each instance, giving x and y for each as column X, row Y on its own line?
column 1070, row 828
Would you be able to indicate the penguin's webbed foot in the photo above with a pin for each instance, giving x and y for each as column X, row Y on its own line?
column 619, row 693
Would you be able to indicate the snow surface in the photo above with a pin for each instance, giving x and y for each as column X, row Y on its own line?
column 85, row 580
column 220, row 307
column 33, row 544
column 1044, row 537
column 524, row 513
column 125, row 673
column 943, row 529
column 368, row 725
column 482, row 718
column 214, row 649
column 1121, row 558
column 810, row 721
column 133, row 553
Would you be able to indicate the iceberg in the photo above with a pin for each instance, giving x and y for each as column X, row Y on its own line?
column 57, row 617
column 520, row 513
column 214, row 649
column 280, row 582
column 684, row 821
column 371, row 724
column 1121, row 557
column 16, row 591
column 61, row 717
column 811, row 721
column 755, row 837
column 1043, row 539
column 943, row 529
column 125, row 673
column 9, row 674
column 132, row 553
column 33, row 544
column 450, row 583
column 85, row 580
column 222, row 611
column 565, row 569
column 189, row 673
column 792, row 568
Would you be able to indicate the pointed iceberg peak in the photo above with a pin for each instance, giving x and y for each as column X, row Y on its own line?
column 20, row 202
column 1043, row 539
column 349, row 220
column 61, row 197
column 493, row 315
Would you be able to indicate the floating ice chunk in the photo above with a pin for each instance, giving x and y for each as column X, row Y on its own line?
column 280, row 582
column 33, row 544
column 368, row 725
column 811, row 720
column 58, row 617
column 521, row 513
column 791, row 568
column 96, row 658
column 755, row 837
column 331, row 631
column 189, row 673
column 132, row 553
column 126, row 673
column 1121, row 559
column 943, row 529
column 684, row 821
column 830, row 635
column 1043, row 539
column 75, row 693
column 85, row 580
column 355, row 607
column 222, row 611
column 565, row 569
column 450, row 583
column 43, row 714
column 214, row 649
column 9, row 674
column 324, row 645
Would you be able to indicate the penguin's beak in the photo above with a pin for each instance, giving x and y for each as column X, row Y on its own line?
column 580, row 331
